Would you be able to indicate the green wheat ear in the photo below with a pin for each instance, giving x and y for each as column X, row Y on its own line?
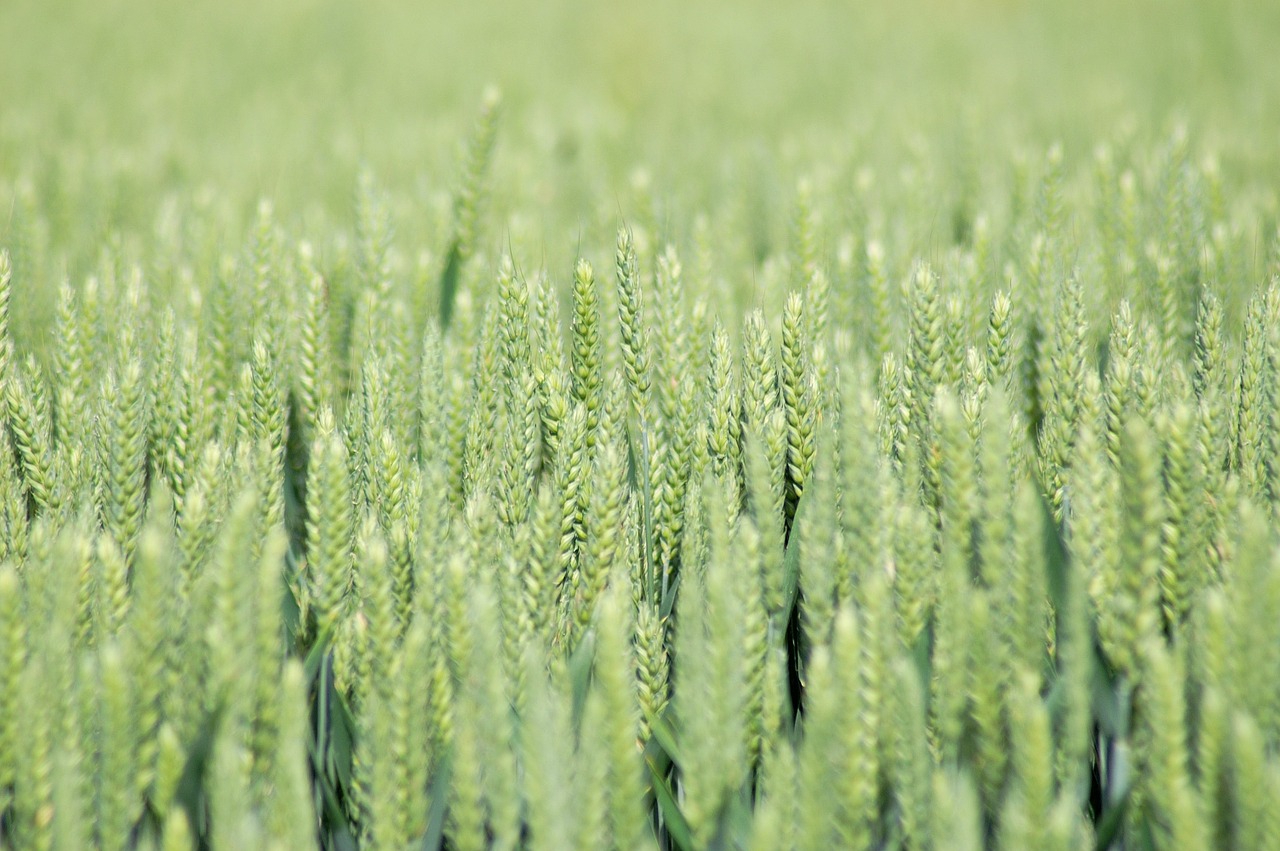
column 587, row 356
column 800, row 401
column 615, row 676
column 331, row 524
column 467, row 200
column 760, row 377
column 12, row 662
column 6, row 338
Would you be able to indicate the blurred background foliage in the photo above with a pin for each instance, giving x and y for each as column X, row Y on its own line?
column 107, row 105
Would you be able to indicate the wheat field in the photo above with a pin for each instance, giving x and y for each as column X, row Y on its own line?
column 725, row 425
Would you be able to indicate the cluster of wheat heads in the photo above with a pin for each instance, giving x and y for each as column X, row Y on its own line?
column 311, row 550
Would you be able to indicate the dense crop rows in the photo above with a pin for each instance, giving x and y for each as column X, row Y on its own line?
column 920, row 502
